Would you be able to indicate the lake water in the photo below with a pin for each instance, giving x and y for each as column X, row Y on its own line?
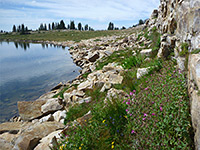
column 29, row 70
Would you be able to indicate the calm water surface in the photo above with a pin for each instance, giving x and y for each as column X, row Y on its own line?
column 29, row 70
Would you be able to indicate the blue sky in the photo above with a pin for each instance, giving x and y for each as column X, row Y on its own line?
column 96, row 13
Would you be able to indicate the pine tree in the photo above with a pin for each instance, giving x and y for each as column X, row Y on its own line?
column 86, row 27
column 53, row 26
column 49, row 26
column 111, row 26
column 26, row 29
column 14, row 28
column 62, row 25
column 19, row 28
column 141, row 22
column 79, row 26
column 72, row 25
column 23, row 29
column 123, row 28
column 41, row 27
column 45, row 27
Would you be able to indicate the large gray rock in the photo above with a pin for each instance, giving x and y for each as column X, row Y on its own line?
column 164, row 50
column 115, row 94
column 115, row 79
column 181, row 63
column 85, row 85
column 46, row 142
column 93, row 56
column 4, row 145
column 112, row 66
column 51, row 105
column 31, row 136
column 146, row 52
column 30, row 110
column 142, row 71
column 58, row 115
column 13, row 127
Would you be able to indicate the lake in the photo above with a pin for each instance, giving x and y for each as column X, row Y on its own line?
column 29, row 70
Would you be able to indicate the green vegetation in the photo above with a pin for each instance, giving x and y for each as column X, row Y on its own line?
column 155, row 37
column 196, row 51
column 155, row 114
column 55, row 35
column 184, row 48
column 60, row 94
column 157, row 117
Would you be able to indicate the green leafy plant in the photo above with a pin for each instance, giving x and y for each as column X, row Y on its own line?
column 184, row 48
column 196, row 51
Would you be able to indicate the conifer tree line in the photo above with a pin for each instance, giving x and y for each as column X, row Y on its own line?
column 112, row 27
column 61, row 25
column 21, row 29
column 54, row 26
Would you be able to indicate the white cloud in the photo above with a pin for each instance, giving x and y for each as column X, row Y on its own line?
column 33, row 12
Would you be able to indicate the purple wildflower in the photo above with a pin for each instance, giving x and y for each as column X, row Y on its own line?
column 133, row 132
column 161, row 109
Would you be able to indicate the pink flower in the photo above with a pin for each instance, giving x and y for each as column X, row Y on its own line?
column 131, row 93
column 146, row 88
column 161, row 109
column 124, row 101
column 145, row 115
column 130, row 114
column 134, row 91
column 152, row 102
column 143, row 119
column 153, row 114
column 127, row 103
column 126, row 110
column 133, row 132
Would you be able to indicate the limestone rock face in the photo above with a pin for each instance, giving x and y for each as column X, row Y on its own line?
column 194, row 67
column 30, row 110
column 193, row 88
column 30, row 137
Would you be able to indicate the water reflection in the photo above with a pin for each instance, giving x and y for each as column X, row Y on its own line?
column 27, row 71
column 26, row 45
column 22, row 45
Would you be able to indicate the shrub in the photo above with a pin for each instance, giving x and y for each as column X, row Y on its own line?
column 184, row 48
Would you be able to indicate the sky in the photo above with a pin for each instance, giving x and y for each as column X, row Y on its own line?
column 96, row 13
